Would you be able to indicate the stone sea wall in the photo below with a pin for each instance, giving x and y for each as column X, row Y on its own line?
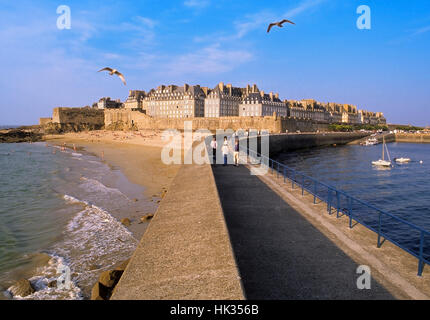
column 289, row 142
column 73, row 120
column 89, row 116
column 128, row 119
column 413, row 138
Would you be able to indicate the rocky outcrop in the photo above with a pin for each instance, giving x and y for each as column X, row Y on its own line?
column 105, row 286
column 22, row 288
column 19, row 135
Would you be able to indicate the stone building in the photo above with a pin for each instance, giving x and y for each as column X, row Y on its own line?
column 107, row 103
column 227, row 101
column 136, row 100
column 368, row 117
column 297, row 110
column 315, row 110
column 176, row 102
column 223, row 101
column 260, row 104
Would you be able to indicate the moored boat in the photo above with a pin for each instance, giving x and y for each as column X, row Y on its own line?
column 382, row 162
column 402, row 160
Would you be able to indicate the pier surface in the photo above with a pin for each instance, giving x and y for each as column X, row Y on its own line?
column 186, row 251
column 280, row 254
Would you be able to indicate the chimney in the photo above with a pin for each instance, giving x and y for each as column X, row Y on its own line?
column 254, row 88
column 186, row 86
column 276, row 95
column 221, row 86
column 271, row 95
column 248, row 89
column 229, row 89
column 262, row 93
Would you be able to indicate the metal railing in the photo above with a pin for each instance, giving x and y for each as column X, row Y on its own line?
column 384, row 224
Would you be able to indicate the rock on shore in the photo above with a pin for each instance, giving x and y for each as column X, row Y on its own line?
column 126, row 222
column 19, row 135
column 105, row 286
column 22, row 288
column 146, row 218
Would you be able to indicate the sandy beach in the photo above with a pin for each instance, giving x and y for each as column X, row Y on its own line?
column 136, row 155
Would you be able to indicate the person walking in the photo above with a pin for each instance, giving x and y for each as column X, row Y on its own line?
column 214, row 146
column 225, row 150
column 236, row 152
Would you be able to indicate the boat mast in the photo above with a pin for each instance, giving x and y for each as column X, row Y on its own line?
column 388, row 153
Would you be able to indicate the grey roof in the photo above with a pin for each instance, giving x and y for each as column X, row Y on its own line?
column 237, row 92
column 256, row 96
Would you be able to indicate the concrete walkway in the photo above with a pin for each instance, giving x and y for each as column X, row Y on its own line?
column 185, row 252
column 280, row 255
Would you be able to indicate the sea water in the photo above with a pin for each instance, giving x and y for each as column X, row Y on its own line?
column 57, row 212
column 403, row 191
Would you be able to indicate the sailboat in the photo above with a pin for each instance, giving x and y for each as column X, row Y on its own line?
column 382, row 162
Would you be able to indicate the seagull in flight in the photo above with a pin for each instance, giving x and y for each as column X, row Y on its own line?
column 116, row 72
column 279, row 24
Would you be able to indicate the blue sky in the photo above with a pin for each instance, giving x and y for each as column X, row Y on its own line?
column 324, row 56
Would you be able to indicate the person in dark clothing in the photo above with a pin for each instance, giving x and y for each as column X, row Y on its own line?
column 236, row 152
column 214, row 146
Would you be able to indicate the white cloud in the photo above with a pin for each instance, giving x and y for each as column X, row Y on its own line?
column 412, row 34
column 150, row 23
column 421, row 30
column 211, row 59
column 198, row 4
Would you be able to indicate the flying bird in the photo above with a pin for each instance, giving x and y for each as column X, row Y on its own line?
column 116, row 72
column 279, row 24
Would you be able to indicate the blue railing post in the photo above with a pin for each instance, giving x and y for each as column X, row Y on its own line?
column 350, row 211
column 303, row 185
column 421, row 259
column 338, row 204
column 277, row 172
column 379, row 230
column 315, row 191
column 329, row 201
column 293, row 178
column 285, row 173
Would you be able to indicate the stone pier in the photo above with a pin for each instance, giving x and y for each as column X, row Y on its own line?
column 186, row 251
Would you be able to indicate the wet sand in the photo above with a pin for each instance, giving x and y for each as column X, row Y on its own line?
column 137, row 155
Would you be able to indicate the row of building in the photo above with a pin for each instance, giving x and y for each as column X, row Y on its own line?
column 225, row 100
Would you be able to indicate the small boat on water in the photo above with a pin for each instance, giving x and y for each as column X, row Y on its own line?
column 370, row 142
column 382, row 162
column 402, row 160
